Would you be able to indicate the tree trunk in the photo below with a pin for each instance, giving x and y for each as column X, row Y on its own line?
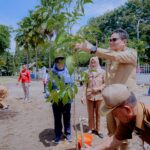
column 27, row 60
column 36, row 61
column 49, row 58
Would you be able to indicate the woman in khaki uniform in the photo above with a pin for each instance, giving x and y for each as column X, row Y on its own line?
column 93, row 95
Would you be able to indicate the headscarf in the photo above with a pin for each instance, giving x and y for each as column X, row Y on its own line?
column 97, row 68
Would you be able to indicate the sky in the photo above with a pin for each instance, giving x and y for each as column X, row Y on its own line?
column 12, row 11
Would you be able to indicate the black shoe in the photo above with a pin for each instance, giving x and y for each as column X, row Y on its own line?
column 5, row 107
column 100, row 135
column 91, row 131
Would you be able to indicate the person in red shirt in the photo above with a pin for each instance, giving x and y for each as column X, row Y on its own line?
column 24, row 78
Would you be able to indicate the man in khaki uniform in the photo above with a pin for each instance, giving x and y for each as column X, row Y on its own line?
column 121, row 66
column 121, row 60
column 130, row 114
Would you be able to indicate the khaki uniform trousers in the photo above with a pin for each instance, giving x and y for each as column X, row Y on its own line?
column 94, row 114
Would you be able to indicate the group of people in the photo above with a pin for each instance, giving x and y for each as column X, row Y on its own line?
column 124, row 112
column 110, row 92
column 24, row 78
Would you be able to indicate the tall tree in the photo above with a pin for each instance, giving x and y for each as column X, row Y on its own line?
column 4, row 38
column 133, row 16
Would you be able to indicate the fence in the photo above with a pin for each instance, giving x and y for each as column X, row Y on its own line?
column 143, row 74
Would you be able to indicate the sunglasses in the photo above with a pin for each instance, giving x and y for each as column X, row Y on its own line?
column 113, row 39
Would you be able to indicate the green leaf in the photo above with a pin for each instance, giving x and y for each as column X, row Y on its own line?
column 52, row 54
column 62, row 85
column 60, row 94
column 75, row 89
column 70, row 93
column 65, row 98
column 50, row 85
column 54, row 96
column 70, row 63
column 83, row 57
column 45, row 14
column 44, row 26
column 49, row 99
column 88, row 1
column 84, row 77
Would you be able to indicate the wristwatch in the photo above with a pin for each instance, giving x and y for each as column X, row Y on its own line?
column 93, row 49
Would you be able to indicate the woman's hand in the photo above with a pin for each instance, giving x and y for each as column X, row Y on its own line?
column 83, row 100
column 95, row 90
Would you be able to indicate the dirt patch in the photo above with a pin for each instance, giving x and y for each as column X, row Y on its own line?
column 30, row 126
column 7, row 114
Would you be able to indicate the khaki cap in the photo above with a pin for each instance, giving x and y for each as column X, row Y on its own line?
column 114, row 95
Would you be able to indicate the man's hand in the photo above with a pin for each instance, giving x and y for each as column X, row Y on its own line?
column 86, row 46
column 80, row 46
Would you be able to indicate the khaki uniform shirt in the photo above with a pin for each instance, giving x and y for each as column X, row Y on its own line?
column 141, row 125
column 95, row 80
column 121, row 66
